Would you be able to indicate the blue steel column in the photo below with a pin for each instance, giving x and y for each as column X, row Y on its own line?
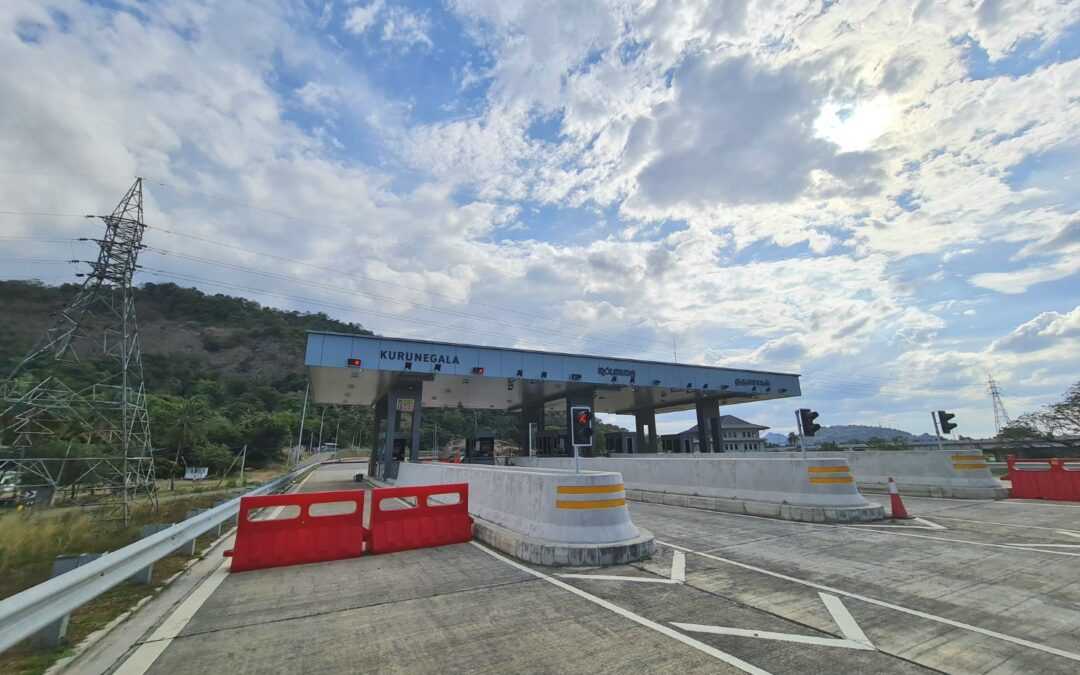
column 414, row 441
column 389, row 466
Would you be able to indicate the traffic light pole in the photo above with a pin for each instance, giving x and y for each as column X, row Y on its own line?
column 937, row 431
column 802, row 441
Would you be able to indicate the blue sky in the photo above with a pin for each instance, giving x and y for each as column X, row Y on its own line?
column 881, row 197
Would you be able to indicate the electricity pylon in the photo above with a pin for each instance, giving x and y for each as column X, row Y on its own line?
column 84, row 378
column 1001, row 418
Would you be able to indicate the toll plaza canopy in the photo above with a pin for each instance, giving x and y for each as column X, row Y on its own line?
column 405, row 376
column 361, row 369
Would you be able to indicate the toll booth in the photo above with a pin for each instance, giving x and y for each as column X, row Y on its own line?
column 480, row 449
column 616, row 441
column 552, row 444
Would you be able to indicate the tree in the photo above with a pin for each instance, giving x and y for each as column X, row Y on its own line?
column 1057, row 419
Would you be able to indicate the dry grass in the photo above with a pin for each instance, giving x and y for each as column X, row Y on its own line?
column 29, row 543
column 25, row 659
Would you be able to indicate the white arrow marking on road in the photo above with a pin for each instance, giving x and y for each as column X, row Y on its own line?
column 678, row 573
column 854, row 637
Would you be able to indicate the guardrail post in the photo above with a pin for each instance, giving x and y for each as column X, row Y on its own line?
column 53, row 634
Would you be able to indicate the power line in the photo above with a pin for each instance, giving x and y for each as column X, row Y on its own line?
column 47, row 213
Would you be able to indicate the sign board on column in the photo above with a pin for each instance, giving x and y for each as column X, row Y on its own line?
column 406, row 404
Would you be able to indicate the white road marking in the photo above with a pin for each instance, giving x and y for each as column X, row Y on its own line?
column 636, row 618
column 849, row 628
column 1020, row 525
column 1069, row 533
column 146, row 653
column 612, row 577
column 925, row 525
column 1024, row 544
column 678, row 566
column 854, row 637
column 888, row 605
column 1008, row 547
column 870, row 527
column 678, row 573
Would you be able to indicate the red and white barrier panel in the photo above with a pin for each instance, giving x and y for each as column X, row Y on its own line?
column 1045, row 478
column 419, row 516
column 295, row 535
column 309, row 527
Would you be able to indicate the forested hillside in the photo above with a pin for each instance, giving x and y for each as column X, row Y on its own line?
column 222, row 372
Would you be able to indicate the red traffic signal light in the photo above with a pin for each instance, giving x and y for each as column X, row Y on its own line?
column 581, row 430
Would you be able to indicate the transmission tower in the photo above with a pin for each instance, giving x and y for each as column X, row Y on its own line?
column 1001, row 418
column 83, row 381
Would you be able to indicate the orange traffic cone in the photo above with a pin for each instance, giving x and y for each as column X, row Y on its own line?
column 896, row 504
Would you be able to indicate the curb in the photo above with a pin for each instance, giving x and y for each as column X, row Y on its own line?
column 939, row 491
column 558, row 554
column 61, row 665
column 749, row 507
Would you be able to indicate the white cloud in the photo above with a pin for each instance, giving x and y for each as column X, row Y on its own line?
column 1046, row 330
column 760, row 183
column 399, row 25
column 361, row 18
column 408, row 28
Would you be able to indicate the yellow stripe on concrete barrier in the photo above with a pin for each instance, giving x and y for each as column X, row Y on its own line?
column 970, row 467
column 827, row 469
column 589, row 489
column 594, row 504
column 819, row 480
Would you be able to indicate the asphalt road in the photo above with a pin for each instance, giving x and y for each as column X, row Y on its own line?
column 972, row 587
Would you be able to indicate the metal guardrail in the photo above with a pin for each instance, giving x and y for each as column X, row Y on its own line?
column 25, row 613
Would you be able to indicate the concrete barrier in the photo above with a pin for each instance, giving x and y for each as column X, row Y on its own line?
column 818, row 490
column 921, row 473
column 549, row 517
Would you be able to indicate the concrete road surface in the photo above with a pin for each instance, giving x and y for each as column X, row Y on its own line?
column 970, row 587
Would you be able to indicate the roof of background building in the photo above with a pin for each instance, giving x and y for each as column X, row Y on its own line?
column 727, row 422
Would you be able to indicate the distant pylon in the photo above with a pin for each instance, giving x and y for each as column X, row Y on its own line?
column 1001, row 418
column 84, row 378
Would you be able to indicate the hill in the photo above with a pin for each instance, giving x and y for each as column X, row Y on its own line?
column 853, row 433
column 858, row 433
column 223, row 372
column 186, row 334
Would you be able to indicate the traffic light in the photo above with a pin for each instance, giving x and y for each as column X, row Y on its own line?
column 943, row 421
column 581, row 420
column 806, row 418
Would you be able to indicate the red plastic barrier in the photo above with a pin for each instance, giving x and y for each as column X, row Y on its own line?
column 299, row 540
column 396, row 527
column 1057, row 479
